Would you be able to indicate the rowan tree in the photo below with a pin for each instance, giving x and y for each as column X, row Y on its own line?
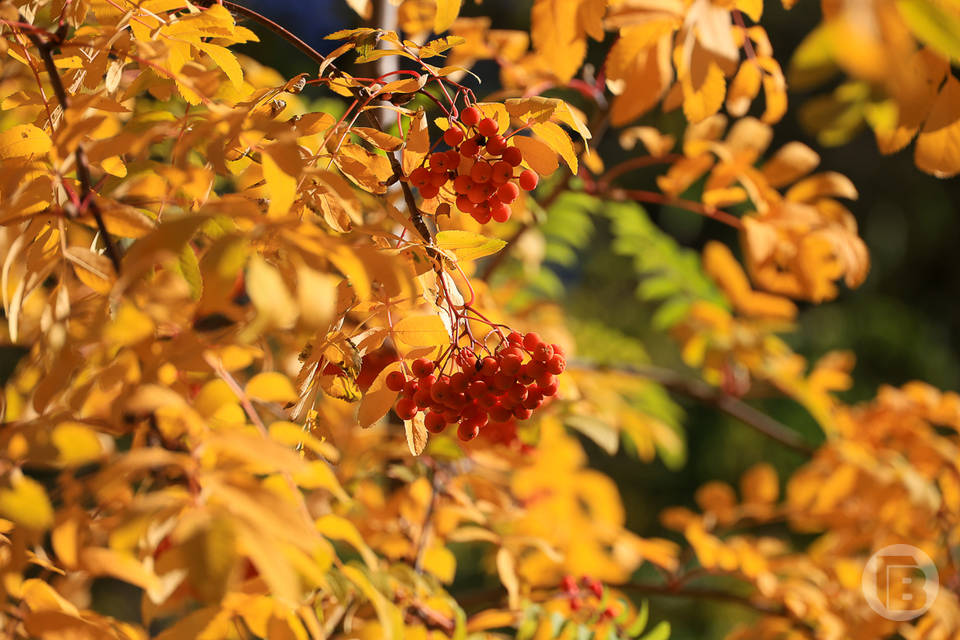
column 295, row 357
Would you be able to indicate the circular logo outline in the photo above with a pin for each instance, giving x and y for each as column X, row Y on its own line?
column 921, row 561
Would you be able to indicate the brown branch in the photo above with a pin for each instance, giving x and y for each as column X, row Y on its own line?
column 658, row 198
column 716, row 398
column 87, row 201
column 700, row 593
column 603, row 182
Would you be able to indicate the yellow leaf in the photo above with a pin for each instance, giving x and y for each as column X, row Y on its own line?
column 538, row 155
column 467, row 245
column 281, row 185
column 338, row 528
column 507, row 569
column 421, row 331
column 416, row 432
column 447, row 12
column 378, row 138
column 130, row 326
column 76, row 442
column 441, row 562
column 269, row 293
column 270, row 386
column 26, row 503
column 558, row 31
column 491, row 619
column 558, row 140
column 23, row 140
column 759, row 484
column 702, row 100
column 417, row 143
column 378, row 399
column 225, row 60
column 938, row 146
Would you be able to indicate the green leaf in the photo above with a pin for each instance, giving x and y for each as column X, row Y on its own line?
column 659, row 632
column 934, row 24
column 189, row 268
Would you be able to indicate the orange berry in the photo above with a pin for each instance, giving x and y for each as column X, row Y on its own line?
column 508, row 192
column 513, row 155
column 500, row 211
column 395, row 380
column 496, row 145
column 470, row 116
column 528, row 180
column 488, row 127
column 453, row 136
column 406, row 408
column 481, row 172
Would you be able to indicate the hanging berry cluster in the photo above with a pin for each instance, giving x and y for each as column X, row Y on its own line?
column 579, row 596
column 482, row 167
column 509, row 384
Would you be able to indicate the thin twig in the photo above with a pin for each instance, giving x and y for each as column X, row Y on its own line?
column 716, row 398
column 83, row 169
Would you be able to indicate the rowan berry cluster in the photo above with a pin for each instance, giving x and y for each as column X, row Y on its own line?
column 482, row 167
column 508, row 384
column 587, row 586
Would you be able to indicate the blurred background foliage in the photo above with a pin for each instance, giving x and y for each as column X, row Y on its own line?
column 903, row 323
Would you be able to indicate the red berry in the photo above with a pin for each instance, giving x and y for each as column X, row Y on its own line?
column 528, row 180
column 502, row 381
column 576, row 603
column 477, row 389
column 500, row 413
column 515, row 337
column 464, row 204
column 481, row 172
column 470, row 116
column 420, row 177
column 513, row 155
column 543, row 352
column 508, row 192
column 438, row 160
column 467, row 360
column 597, row 589
column 395, row 381
column 421, row 367
column 510, row 364
column 440, row 392
column 459, row 382
column 453, row 136
column 533, row 400
column 462, row 184
column 502, row 172
column 469, row 149
column 482, row 215
column 496, row 145
column 406, row 408
column 489, row 366
column 438, row 178
column 531, row 341
column 475, row 194
column 488, row 127
column 499, row 211
column 550, row 389
column 568, row 584
column 410, row 388
column 434, row 422
column 610, row 613
column 522, row 413
column 556, row 364
column 429, row 191
column 468, row 430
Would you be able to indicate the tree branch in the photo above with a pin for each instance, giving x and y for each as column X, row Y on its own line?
column 87, row 201
column 716, row 398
